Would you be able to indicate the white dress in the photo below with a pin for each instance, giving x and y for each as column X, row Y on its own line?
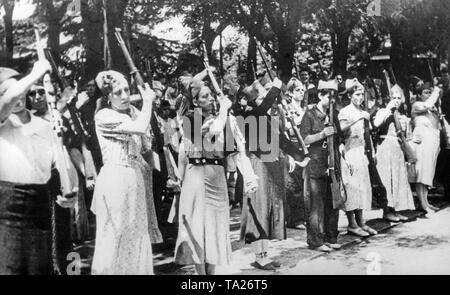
column 357, row 184
column 391, row 166
column 427, row 132
column 123, row 201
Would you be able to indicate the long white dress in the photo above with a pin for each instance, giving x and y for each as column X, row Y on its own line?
column 427, row 132
column 357, row 184
column 123, row 201
column 391, row 166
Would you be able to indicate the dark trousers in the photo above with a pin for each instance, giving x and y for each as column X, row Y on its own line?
column 322, row 224
column 25, row 230
column 443, row 171
column 295, row 202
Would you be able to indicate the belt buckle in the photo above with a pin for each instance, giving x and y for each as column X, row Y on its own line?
column 325, row 144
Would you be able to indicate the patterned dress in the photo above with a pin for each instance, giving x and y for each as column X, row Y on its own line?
column 391, row 165
column 123, row 201
column 357, row 182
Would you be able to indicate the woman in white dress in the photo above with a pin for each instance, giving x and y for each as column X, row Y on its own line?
column 391, row 164
column 427, row 137
column 123, row 200
column 355, row 165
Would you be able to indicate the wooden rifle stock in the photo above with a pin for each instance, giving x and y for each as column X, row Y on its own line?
column 407, row 149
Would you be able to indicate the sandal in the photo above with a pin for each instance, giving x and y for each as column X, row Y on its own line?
column 268, row 266
column 322, row 248
column 391, row 217
column 401, row 217
column 357, row 232
column 369, row 230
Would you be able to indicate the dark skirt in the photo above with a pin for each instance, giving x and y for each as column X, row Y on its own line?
column 263, row 211
column 25, row 230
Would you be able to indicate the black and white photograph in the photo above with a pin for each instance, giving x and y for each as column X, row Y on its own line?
column 234, row 138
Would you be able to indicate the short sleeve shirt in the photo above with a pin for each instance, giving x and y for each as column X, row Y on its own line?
column 26, row 150
column 313, row 122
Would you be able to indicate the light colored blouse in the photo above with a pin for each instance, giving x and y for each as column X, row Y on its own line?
column 26, row 150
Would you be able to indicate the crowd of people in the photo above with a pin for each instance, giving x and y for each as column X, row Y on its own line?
column 98, row 154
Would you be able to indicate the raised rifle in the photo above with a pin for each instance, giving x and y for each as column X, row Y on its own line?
column 67, row 175
column 75, row 118
column 133, row 69
column 215, row 85
column 254, row 71
column 442, row 120
column 283, row 108
column 68, row 183
column 378, row 189
column 334, row 162
column 407, row 149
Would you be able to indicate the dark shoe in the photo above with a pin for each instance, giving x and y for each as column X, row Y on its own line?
column 268, row 266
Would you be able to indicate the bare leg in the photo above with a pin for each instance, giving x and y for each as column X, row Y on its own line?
column 362, row 224
column 420, row 190
column 201, row 270
column 210, row 269
column 351, row 219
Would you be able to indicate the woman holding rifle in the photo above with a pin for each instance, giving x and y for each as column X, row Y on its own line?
column 354, row 167
column 426, row 134
column 391, row 164
column 125, row 227
column 203, row 233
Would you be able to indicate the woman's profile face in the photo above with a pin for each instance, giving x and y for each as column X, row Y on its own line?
column 205, row 100
column 120, row 97
column 357, row 97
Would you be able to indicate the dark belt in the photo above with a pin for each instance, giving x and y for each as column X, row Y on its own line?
column 206, row 161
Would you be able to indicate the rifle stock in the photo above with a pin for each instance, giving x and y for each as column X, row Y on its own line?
column 407, row 149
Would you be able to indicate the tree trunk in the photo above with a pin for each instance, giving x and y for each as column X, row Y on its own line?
column 285, row 57
column 92, row 26
column 54, row 29
column 340, row 51
column 8, row 5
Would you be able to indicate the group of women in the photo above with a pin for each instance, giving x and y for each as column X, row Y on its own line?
column 126, row 224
